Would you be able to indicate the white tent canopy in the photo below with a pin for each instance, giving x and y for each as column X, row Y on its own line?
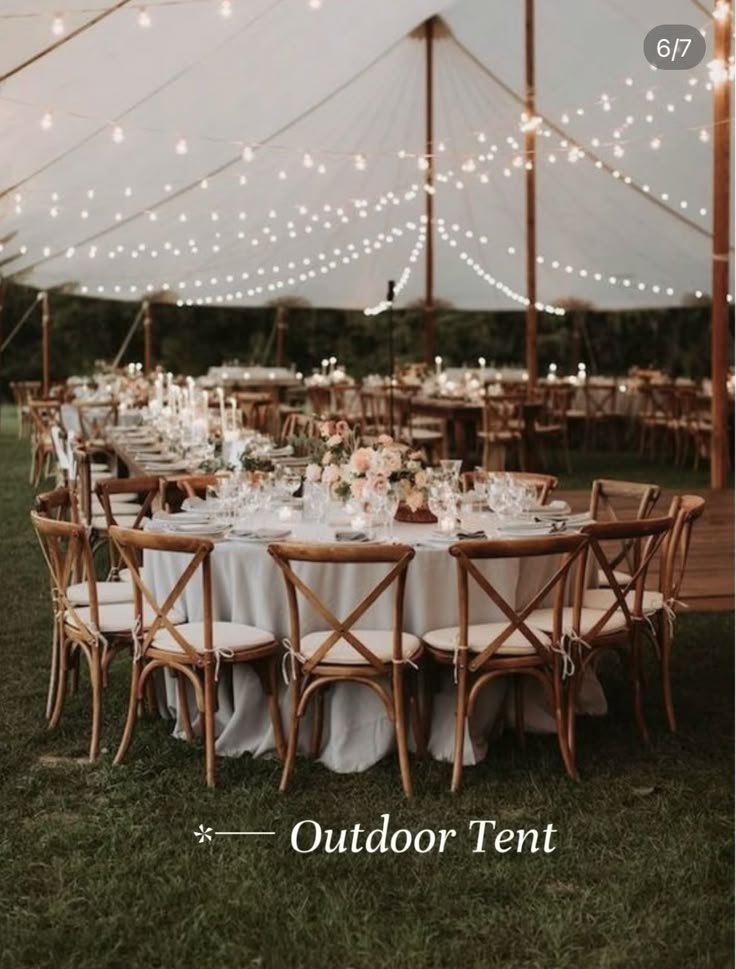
column 279, row 151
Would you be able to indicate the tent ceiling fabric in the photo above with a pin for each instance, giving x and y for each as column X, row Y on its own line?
column 124, row 173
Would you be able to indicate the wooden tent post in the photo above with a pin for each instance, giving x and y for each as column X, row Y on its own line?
column 281, row 327
column 531, row 215
column 429, row 195
column 721, row 244
column 46, row 343
column 147, row 357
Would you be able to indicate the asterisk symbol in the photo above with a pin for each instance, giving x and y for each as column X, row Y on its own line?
column 203, row 834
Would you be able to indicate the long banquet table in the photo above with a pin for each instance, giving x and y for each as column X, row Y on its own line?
column 248, row 588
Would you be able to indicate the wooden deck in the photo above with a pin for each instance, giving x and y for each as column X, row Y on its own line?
column 709, row 580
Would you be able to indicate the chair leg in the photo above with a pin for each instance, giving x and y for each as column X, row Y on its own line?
column 95, row 676
column 60, row 683
column 665, row 649
column 182, row 703
column 564, row 703
column 400, row 727
column 130, row 722
column 318, row 708
column 53, row 672
column 636, row 685
column 293, row 737
column 461, row 701
column 208, row 724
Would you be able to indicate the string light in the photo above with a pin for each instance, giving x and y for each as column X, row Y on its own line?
column 118, row 135
column 144, row 18
column 182, row 148
column 57, row 26
column 47, row 121
column 226, row 9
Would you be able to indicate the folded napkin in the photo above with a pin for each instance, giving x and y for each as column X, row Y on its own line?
column 469, row 536
column 351, row 537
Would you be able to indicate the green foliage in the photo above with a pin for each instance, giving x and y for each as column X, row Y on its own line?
column 191, row 339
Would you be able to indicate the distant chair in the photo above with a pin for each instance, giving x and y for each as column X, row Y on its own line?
column 502, row 423
column 544, row 484
column 617, row 501
column 24, row 391
column 551, row 427
column 44, row 415
column 657, row 418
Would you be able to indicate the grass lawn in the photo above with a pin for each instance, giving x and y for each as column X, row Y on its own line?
column 99, row 866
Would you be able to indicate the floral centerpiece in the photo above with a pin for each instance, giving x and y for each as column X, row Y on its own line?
column 350, row 471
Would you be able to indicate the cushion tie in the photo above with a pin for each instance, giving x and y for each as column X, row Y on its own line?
column 291, row 656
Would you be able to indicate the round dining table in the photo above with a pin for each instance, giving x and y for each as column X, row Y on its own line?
column 248, row 587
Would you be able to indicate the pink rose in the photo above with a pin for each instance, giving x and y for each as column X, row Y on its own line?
column 385, row 440
column 334, row 441
column 391, row 460
column 331, row 474
column 357, row 487
column 361, row 460
column 379, row 484
column 327, row 457
column 420, row 479
column 415, row 500
column 342, row 428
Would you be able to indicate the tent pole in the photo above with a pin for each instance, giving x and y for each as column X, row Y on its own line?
column 721, row 243
column 147, row 358
column 46, row 343
column 429, row 195
column 2, row 307
column 531, row 215
column 281, row 327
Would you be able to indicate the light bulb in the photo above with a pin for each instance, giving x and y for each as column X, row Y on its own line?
column 144, row 18
column 182, row 147
column 248, row 154
column 57, row 26
column 47, row 121
column 226, row 9
column 118, row 135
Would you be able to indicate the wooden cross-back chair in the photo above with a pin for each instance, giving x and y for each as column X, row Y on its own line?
column 551, row 427
column 176, row 489
column 44, row 414
column 600, row 410
column 374, row 414
column 96, row 417
column 320, row 402
column 256, row 409
column 686, row 510
column 125, row 513
column 502, row 421
column 543, row 484
column 618, row 618
column 342, row 650
column 657, row 415
column 87, row 619
column 612, row 500
column 91, row 509
column 23, row 392
column 193, row 651
column 512, row 645
column 299, row 427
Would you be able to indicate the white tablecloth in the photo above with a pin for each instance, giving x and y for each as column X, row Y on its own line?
column 248, row 587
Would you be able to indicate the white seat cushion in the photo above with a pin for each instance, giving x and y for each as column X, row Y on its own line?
column 124, row 521
column 378, row 641
column 544, row 618
column 99, row 466
column 621, row 577
column 107, row 593
column 225, row 635
column 120, row 617
column 100, row 476
column 117, row 506
column 603, row 598
column 482, row 635
column 125, row 576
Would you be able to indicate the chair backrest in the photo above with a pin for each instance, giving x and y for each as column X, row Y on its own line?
column 44, row 413
column 320, row 401
column 557, row 398
column 146, row 487
column 503, row 414
column 374, row 412
column 299, row 426
column 600, row 399
column 658, row 400
column 68, row 554
column 397, row 557
column 96, row 417
column 646, row 537
column 686, row 510
column 612, row 500
column 568, row 549
column 24, row 390
column 175, row 489
column 132, row 544
column 58, row 504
